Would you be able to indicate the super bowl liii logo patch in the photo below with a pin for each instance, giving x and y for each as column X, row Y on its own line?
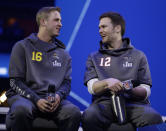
column 56, row 63
column 127, row 64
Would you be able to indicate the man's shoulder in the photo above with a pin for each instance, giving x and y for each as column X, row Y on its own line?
column 137, row 52
column 64, row 53
column 22, row 42
column 19, row 44
column 94, row 53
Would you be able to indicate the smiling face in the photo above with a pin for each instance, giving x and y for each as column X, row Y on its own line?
column 53, row 23
column 107, row 30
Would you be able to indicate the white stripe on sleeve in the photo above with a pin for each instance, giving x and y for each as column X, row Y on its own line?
column 90, row 85
column 147, row 88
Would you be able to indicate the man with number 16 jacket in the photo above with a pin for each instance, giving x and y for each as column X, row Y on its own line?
column 37, row 63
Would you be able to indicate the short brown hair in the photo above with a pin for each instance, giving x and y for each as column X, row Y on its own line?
column 116, row 19
column 44, row 12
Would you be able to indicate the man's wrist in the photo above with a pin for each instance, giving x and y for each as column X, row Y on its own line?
column 59, row 95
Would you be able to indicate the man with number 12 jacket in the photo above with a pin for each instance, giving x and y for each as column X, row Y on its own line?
column 117, row 69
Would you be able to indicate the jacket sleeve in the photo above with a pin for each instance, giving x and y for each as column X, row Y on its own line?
column 18, row 85
column 144, row 75
column 64, row 89
column 17, row 73
column 90, row 71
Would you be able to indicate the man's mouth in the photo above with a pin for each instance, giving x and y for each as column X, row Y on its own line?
column 103, row 36
column 58, row 29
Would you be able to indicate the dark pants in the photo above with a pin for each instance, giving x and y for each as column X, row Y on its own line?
column 23, row 112
column 99, row 116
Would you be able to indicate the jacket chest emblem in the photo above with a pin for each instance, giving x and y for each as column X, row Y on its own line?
column 127, row 62
column 55, row 63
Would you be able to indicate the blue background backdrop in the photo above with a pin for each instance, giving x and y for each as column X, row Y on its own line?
column 145, row 25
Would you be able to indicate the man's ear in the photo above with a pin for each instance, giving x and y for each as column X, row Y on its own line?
column 43, row 22
column 118, row 28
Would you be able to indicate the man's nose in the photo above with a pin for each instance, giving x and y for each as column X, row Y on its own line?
column 60, row 24
column 100, row 30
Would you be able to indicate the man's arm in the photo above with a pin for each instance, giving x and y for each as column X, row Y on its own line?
column 140, row 92
column 61, row 93
column 97, row 87
column 17, row 73
column 19, row 86
column 90, row 72
column 65, row 87
column 143, row 90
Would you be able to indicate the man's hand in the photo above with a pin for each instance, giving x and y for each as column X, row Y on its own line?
column 114, row 85
column 43, row 105
column 55, row 105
